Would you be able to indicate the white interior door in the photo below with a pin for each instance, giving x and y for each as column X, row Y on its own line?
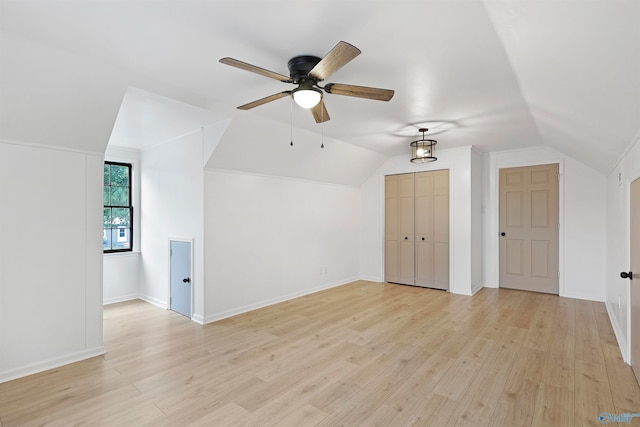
column 180, row 277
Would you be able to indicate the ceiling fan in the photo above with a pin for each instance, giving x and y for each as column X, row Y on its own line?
column 307, row 71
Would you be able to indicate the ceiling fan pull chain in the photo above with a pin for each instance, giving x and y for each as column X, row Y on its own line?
column 322, row 128
column 291, row 121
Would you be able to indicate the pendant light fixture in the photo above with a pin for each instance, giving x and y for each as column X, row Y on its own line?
column 423, row 150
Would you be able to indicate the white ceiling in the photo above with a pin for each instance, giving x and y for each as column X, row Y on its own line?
column 146, row 119
column 499, row 74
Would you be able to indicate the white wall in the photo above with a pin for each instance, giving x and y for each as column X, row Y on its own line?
column 171, row 207
column 582, row 219
column 477, row 215
column 121, row 271
column 618, row 292
column 50, row 258
column 269, row 239
column 465, row 241
column 121, row 277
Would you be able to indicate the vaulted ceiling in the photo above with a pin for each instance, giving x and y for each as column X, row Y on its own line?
column 496, row 74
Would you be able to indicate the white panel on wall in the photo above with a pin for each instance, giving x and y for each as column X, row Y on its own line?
column 617, row 245
column 270, row 239
column 94, row 179
column 51, row 278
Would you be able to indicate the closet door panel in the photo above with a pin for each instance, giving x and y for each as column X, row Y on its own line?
column 406, row 262
column 441, row 265
column 424, row 265
column 406, row 226
column 391, row 231
column 441, row 218
column 424, row 228
column 399, row 229
column 405, row 216
column 391, row 261
column 391, row 219
column 424, row 218
column 405, row 185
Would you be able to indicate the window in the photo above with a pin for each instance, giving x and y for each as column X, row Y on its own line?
column 117, row 233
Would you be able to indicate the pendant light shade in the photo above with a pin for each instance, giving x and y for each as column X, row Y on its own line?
column 423, row 150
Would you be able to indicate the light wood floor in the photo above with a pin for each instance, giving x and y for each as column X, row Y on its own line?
column 361, row 354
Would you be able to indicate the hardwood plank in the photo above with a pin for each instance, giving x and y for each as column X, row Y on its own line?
column 624, row 388
column 478, row 403
column 554, row 407
column 464, row 369
column 559, row 369
column 588, row 345
column 517, row 403
column 592, row 393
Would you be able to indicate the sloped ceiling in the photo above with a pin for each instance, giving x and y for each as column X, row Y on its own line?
column 498, row 74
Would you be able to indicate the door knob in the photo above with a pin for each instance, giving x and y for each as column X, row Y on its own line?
column 423, row 238
column 186, row 280
column 626, row 275
column 503, row 234
column 406, row 238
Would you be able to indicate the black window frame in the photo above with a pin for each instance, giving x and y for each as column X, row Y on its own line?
column 130, row 207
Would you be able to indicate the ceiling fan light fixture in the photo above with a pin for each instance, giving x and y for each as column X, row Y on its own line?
column 423, row 150
column 307, row 97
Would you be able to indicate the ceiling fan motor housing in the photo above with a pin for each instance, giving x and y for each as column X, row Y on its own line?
column 300, row 66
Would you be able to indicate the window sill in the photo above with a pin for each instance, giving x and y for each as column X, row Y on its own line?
column 121, row 254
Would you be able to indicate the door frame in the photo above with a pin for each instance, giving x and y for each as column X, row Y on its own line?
column 186, row 240
column 493, row 228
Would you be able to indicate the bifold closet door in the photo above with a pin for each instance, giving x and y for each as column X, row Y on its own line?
column 432, row 229
column 399, row 229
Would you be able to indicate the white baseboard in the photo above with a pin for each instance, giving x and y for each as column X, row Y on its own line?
column 35, row 368
column 154, row 301
column 234, row 312
column 122, row 298
column 622, row 340
column 372, row 279
column 583, row 297
column 476, row 288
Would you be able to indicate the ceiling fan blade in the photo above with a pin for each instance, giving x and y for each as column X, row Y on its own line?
column 359, row 91
column 264, row 100
column 320, row 113
column 340, row 55
column 255, row 69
